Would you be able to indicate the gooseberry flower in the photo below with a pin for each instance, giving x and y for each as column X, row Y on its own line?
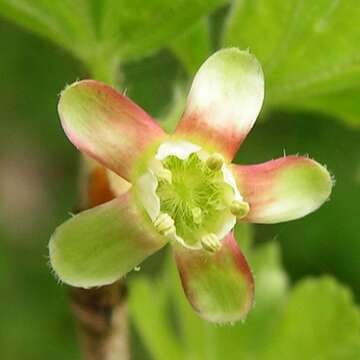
column 184, row 189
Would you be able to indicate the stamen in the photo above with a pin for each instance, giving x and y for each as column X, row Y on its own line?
column 215, row 162
column 164, row 224
column 239, row 208
column 192, row 196
column 211, row 243
column 197, row 215
column 164, row 176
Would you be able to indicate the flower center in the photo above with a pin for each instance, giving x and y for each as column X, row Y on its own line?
column 190, row 195
column 195, row 198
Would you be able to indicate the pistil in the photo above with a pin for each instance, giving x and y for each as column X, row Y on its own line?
column 197, row 215
column 164, row 176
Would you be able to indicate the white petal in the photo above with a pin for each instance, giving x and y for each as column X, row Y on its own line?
column 230, row 179
column 146, row 187
column 180, row 149
column 229, row 222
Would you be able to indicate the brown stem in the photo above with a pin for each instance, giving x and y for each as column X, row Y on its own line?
column 101, row 313
column 102, row 321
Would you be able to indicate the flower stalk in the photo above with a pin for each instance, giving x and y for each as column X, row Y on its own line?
column 101, row 315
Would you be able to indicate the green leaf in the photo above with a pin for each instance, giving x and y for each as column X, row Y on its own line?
column 200, row 339
column 306, row 48
column 183, row 46
column 340, row 104
column 149, row 82
column 103, row 33
column 138, row 27
column 148, row 307
column 172, row 116
column 320, row 321
column 318, row 316
column 195, row 45
column 66, row 22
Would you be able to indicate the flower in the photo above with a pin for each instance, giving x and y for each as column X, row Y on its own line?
column 185, row 191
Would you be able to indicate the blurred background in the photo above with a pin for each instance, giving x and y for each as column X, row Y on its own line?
column 311, row 60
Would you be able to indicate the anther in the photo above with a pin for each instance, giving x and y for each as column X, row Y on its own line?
column 211, row 243
column 239, row 208
column 215, row 162
column 164, row 224
column 164, row 176
column 197, row 215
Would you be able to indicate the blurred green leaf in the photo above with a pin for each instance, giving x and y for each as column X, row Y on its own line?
column 183, row 46
column 172, row 116
column 32, row 73
column 248, row 340
column 138, row 27
column 200, row 339
column 150, row 81
column 318, row 316
column 67, row 23
column 148, row 307
column 342, row 104
column 103, row 33
column 320, row 321
column 195, row 45
column 306, row 49
column 37, row 323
